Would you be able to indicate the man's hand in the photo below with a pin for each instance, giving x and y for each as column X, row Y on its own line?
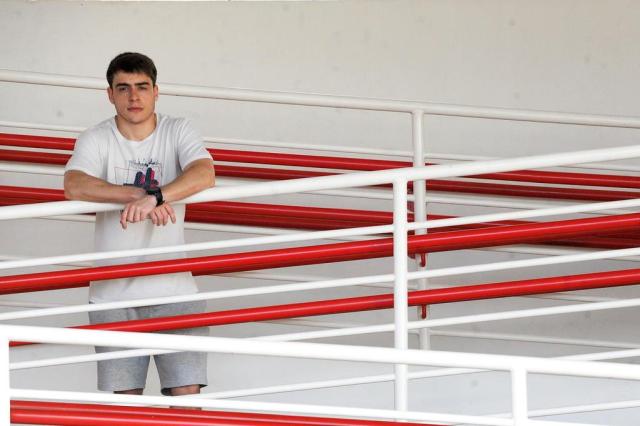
column 138, row 210
column 161, row 215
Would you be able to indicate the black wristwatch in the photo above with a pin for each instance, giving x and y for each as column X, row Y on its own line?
column 156, row 192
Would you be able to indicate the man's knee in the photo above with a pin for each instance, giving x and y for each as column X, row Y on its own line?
column 184, row 390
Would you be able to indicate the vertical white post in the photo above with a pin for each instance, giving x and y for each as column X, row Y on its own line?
column 420, row 208
column 5, row 414
column 400, row 297
column 519, row 396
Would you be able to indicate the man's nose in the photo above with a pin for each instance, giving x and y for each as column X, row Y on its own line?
column 134, row 94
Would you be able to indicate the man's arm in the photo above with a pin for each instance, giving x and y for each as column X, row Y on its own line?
column 83, row 187
column 197, row 176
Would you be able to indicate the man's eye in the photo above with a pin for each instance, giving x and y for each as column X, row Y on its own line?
column 123, row 89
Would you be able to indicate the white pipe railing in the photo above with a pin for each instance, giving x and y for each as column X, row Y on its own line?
column 322, row 351
column 318, row 235
column 363, row 280
column 339, row 181
column 401, row 357
column 335, row 101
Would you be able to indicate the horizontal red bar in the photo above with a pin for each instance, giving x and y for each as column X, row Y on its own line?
column 455, row 240
column 346, row 163
column 259, row 418
column 382, row 301
column 433, row 185
column 315, row 218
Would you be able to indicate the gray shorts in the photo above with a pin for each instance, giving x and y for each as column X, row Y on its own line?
column 175, row 369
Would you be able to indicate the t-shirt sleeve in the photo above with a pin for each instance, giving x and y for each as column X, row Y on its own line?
column 87, row 156
column 190, row 145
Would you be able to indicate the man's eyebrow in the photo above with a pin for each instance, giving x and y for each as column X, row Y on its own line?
column 144, row 83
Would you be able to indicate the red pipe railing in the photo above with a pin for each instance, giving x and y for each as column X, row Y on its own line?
column 35, row 412
column 311, row 218
column 433, row 185
column 342, row 163
column 326, row 253
column 368, row 303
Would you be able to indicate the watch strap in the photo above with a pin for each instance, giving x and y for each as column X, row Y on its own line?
column 156, row 192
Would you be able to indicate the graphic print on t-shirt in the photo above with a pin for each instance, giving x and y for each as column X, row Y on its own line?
column 140, row 173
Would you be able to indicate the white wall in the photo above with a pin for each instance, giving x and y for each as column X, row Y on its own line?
column 576, row 56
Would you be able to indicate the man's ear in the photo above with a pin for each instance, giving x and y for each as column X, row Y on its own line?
column 155, row 92
column 110, row 95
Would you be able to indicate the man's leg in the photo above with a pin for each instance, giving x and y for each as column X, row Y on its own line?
column 126, row 375
column 181, row 373
column 184, row 390
column 130, row 392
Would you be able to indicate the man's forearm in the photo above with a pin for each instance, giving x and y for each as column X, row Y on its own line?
column 83, row 187
column 198, row 176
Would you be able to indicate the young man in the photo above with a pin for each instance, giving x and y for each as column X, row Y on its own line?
column 145, row 161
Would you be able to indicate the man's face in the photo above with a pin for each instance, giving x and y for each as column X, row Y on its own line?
column 134, row 96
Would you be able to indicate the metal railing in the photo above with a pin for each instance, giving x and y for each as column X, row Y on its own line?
column 401, row 356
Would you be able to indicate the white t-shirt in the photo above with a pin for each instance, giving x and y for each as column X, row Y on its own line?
column 103, row 152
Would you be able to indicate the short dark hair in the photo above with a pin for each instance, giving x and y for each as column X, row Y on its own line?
column 132, row 62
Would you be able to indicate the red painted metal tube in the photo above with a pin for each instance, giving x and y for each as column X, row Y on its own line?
column 263, row 419
column 433, row 185
column 360, row 164
column 34, row 157
column 382, row 301
column 236, row 262
column 33, row 141
column 605, row 241
column 316, row 218
column 79, row 418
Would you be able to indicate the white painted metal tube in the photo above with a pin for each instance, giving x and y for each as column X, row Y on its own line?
column 535, row 339
column 316, row 147
column 420, row 209
column 335, row 101
column 525, row 263
column 338, row 181
column 5, row 410
column 400, row 296
column 318, row 351
column 457, row 270
column 269, row 407
column 519, row 396
column 305, row 236
column 472, row 200
column 468, row 319
column 210, row 245
column 94, row 307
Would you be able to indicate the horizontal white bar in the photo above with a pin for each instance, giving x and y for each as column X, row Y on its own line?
column 40, row 126
column 534, row 339
column 254, row 291
column 335, row 101
column 553, row 211
column 338, row 181
column 458, row 270
column 468, row 319
column 525, row 263
column 317, row 351
column 315, row 147
column 209, row 245
column 315, row 235
column 474, row 200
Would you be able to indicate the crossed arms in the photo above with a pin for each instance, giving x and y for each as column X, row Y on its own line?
column 197, row 176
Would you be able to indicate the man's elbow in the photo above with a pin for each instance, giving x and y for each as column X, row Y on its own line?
column 70, row 187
